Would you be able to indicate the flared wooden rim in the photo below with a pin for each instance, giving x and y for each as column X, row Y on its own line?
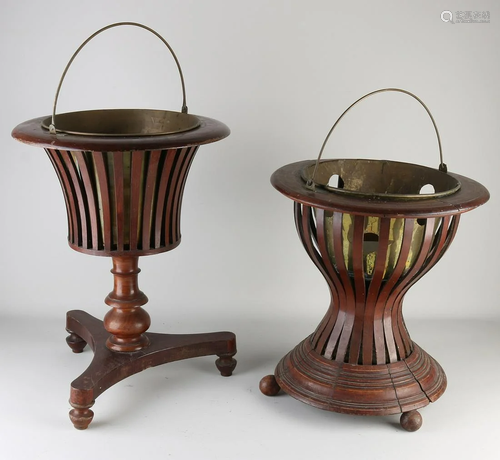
column 31, row 132
column 289, row 182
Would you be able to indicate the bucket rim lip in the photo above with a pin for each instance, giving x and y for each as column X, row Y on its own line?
column 288, row 181
column 190, row 122
column 385, row 196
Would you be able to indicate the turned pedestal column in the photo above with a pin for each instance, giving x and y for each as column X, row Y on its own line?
column 127, row 321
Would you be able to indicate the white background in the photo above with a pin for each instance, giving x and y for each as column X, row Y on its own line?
column 278, row 73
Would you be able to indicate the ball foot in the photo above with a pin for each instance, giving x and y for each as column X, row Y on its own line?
column 269, row 386
column 226, row 364
column 75, row 342
column 411, row 421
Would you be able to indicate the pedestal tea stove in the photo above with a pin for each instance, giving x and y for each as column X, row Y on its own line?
column 123, row 173
column 373, row 228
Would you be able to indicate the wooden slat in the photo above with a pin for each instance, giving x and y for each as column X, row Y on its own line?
column 135, row 185
column 102, row 177
column 350, row 309
column 149, row 196
column 89, row 187
column 382, row 299
column 69, row 192
column 391, row 331
column 83, row 221
column 51, row 154
column 184, row 174
column 325, row 328
column 119, row 199
column 305, row 226
column 177, row 186
column 374, row 290
column 163, row 188
column 345, row 281
column 305, row 233
column 356, row 322
column 179, row 156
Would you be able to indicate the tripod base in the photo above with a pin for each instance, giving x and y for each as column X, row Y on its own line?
column 109, row 367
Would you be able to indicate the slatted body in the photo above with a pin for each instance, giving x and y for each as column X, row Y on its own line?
column 369, row 264
column 121, row 203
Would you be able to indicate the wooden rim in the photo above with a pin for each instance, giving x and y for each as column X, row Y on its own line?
column 31, row 132
column 288, row 180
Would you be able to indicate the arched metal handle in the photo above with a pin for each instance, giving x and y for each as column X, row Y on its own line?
column 442, row 166
column 52, row 127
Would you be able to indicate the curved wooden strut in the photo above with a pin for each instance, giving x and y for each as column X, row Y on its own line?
column 130, row 349
column 361, row 359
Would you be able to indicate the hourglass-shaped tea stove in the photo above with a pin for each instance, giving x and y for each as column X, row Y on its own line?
column 372, row 236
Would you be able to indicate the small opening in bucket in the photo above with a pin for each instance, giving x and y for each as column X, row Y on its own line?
column 427, row 189
column 370, row 237
column 336, row 181
column 384, row 179
column 370, row 242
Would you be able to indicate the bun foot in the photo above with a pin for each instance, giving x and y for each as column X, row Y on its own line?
column 411, row 421
column 269, row 386
column 81, row 416
column 75, row 342
column 226, row 364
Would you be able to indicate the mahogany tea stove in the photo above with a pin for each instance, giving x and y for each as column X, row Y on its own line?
column 123, row 173
column 373, row 228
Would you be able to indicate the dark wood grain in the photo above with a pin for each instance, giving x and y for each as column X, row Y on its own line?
column 31, row 132
column 109, row 367
column 346, row 388
column 116, row 210
column 123, row 199
column 127, row 320
column 361, row 359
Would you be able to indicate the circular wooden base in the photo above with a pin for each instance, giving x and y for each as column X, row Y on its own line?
column 382, row 389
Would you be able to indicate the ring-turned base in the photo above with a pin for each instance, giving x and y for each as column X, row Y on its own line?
column 381, row 389
column 109, row 367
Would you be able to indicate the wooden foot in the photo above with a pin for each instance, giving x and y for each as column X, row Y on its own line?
column 226, row 364
column 109, row 367
column 81, row 416
column 269, row 386
column 411, row 421
column 75, row 342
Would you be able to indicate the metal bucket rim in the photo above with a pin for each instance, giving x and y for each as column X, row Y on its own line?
column 452, row 183
column 66, row 122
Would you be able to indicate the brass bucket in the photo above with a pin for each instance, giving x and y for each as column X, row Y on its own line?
column 121, row 122
column 121, row 200
column 378, row 180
